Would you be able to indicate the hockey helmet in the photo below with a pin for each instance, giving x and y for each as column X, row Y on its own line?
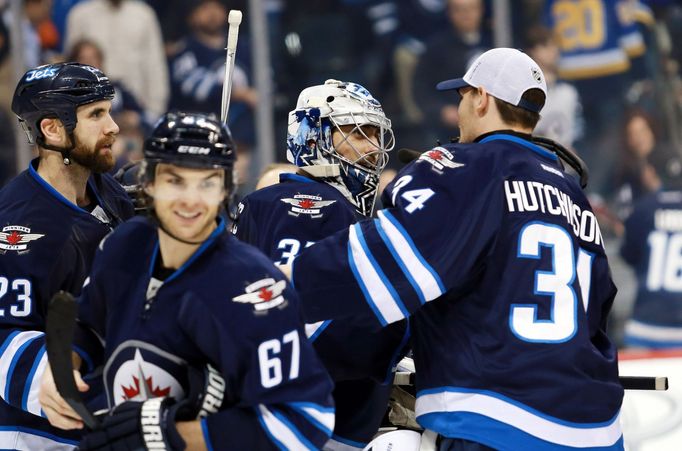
column 194, row 140
column 56, row 91
column 321, row 109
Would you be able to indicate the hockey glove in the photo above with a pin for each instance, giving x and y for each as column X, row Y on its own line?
column 134, row 425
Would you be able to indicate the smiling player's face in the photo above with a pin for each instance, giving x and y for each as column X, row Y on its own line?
column 186, row 201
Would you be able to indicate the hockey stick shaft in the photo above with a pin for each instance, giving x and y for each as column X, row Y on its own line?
column 628, row 382
column 59, row 330
column 234, row 19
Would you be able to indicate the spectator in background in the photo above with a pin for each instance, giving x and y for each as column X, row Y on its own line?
column 128, row 33
column 592, row 57
column 36, row 31
column 561, row 118
column 125, row 109
column 403, row 27
column 634, row 175
column 60, row 10
column 653, row 248
column 448, row 53
column 197, row 72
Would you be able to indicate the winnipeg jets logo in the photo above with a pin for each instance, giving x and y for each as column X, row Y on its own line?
column 264, row 295
column 16, row 238
column 440, row 159
column 306, row 204
column 139, row 380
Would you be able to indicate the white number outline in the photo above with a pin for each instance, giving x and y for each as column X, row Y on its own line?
column 523, row 320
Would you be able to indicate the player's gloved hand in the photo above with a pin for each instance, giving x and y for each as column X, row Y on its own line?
column 135, row 425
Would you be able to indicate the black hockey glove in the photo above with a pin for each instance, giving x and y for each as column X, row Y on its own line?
column 135, row 425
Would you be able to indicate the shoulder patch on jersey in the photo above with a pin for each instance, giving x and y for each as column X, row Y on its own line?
column 440, row 159
column 307, row 204
column 16, row 238
column 264, row 295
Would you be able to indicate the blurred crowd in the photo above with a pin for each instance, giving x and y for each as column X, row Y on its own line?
column 612, row 66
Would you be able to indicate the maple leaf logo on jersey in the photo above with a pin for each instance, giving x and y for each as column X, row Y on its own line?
column 139, row 380
column 16, row 238
column 134, row 390
column 264, row 295
column 307, row 204
column 440, row 159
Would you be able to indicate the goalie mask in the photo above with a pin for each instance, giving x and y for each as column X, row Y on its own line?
column 351, row 110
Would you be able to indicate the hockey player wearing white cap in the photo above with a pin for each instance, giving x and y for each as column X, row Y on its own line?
column 492, row 249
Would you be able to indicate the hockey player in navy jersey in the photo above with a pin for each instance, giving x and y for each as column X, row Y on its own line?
column 494, row 251
column 652, row 246
column 52, row 216
column 339, row 137
column 175, row 291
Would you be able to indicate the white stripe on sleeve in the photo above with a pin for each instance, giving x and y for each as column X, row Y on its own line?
column 374, row 286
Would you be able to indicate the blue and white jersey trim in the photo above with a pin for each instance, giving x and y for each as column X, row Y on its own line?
column 29, row 400
column 10, row 352
column 651, row 335
column 378, row 291
column 281, row 432
column 314, row 330
column 420, row 274
column 16, row 437
column 483, row 415
column 322, row 417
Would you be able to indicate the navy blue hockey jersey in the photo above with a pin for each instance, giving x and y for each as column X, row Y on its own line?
column 227, row 306
column 494, row 251
column 653, row 247
column 46, row 244
column 283, row 219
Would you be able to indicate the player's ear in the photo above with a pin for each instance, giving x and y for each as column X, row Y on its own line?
column 149, row 188
column 53, row 131
column 482, row 101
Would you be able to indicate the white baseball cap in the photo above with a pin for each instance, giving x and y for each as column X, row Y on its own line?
column 505, row 73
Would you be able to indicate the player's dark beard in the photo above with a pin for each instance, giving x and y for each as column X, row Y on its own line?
column 93, row 159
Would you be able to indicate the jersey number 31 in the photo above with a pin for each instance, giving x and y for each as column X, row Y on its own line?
column 554, row 285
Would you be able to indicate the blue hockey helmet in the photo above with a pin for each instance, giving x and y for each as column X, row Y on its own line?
column 195, row 140
column 56, row 91
column 321, row 109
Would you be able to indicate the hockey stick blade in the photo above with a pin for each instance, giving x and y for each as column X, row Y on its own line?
column 61, row 322
column 628, row 382
column 644, row 383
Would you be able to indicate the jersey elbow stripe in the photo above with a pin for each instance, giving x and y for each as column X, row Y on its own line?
column 281, row 431
column 421, row 275
column 29, row 399
column 321, row 417
column 378, row 291
column 479, row 409
column 10, row 353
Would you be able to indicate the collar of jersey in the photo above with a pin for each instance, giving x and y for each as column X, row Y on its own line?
column 200, row 250
column 524, row 142
column 41, row 181
column 284, row 177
